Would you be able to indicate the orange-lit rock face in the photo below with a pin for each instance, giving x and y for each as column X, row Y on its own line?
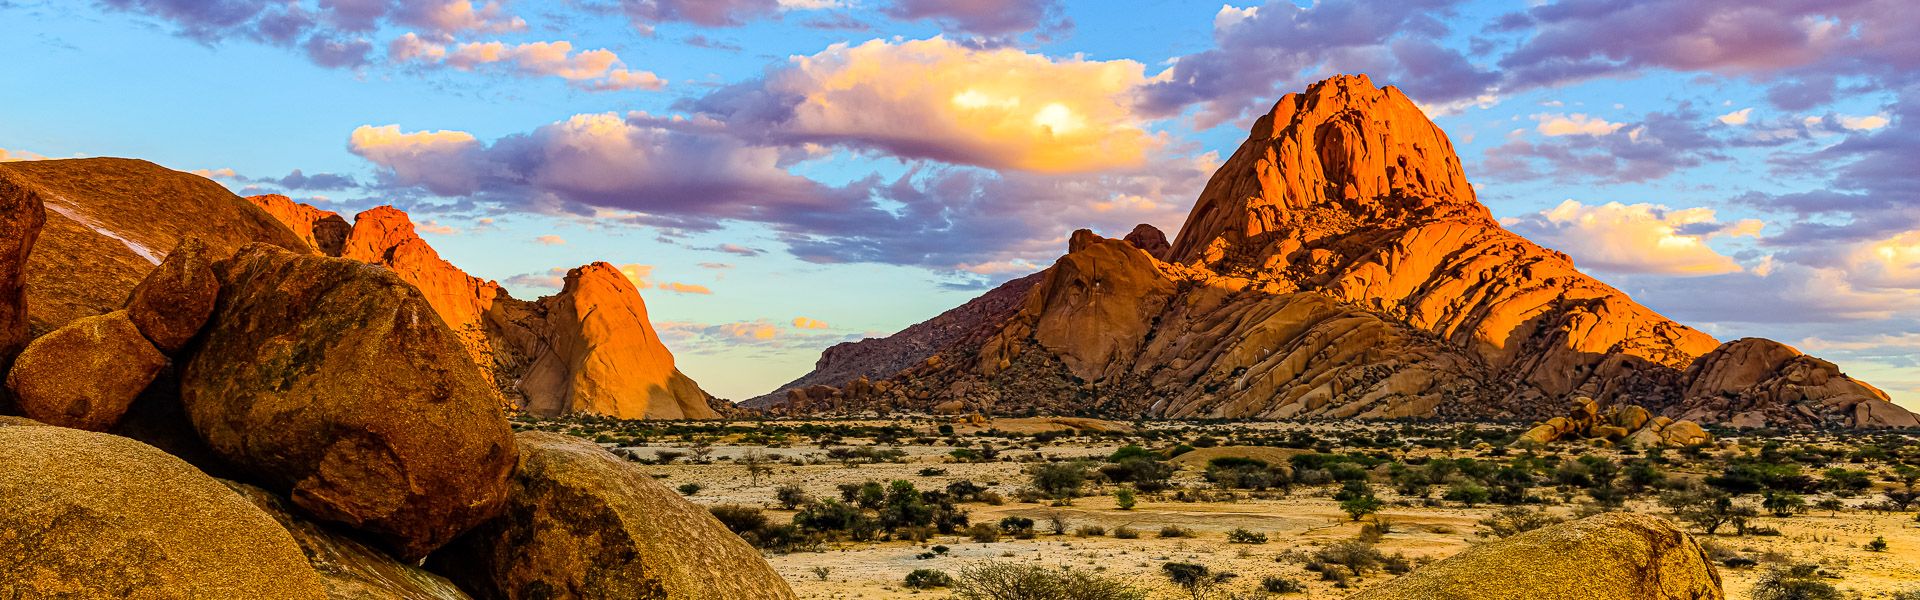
column 385, row 236
column 322, row 230
column 602, row 355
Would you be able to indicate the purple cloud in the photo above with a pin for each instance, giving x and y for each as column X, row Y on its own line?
column 982, row 17
column 711, row 13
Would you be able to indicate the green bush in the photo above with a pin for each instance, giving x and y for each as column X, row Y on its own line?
column 924, row 579
column 689, row 489
column 1275, row 584
column 1175, row 531
column 1244, row 536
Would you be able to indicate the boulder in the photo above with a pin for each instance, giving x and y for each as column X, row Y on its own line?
column 1684, row 433
column 602, row 356
column 350, row 569
column 581, row 523
column 90, row 515
column 1149, row 239
column 1608, row 556
column 173, row 302
column 334, row 382
column 21, row 216
column 84, row 375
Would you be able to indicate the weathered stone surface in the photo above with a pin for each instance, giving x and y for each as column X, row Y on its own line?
column 109, row 221
column 21, row 216
column 84, row 375
column 582, row 523
column 1150, row 240
column 1610, row 556
column 173, row 302
column 322, row 230
column 351, row 570
column 1590, row 421
column 335, row 382
column 90, row 515
column 602, row 356
column 1755, row 382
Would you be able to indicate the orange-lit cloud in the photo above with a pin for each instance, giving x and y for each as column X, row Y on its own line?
column 551, row 240
column 1636, row 238
column 999, row 107
column 18, row 155
column 808, row 323
column 755, row 330
column 685, row 288
column 597, row 70
column 1574, row 124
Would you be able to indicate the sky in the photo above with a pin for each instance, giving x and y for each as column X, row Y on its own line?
column 783, row 175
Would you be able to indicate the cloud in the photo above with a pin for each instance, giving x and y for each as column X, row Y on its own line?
column 331, row 33
column 440, row 161
column 551, row 240
column 757, row 330
column 807, row 323
column 729, row 338
column 936, row 99
column 595, row 70
column 1658, row 145
column 551, row 279
column 1738, row 117
column 1637, row 238
column 645, row 14
column 982, row 17
column 1574, row 124
column 1865, row 123
column 1260, row 52
column 685, row 288
column 737, row 249
column 637, row 274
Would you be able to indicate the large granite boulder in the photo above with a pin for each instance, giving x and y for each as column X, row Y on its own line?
column 351, row 570
column 333, row 381
column 1604, row 557
column 85, row 374
column 582, row 523
column 90, row 515
column 173, row 302
column 21, row 216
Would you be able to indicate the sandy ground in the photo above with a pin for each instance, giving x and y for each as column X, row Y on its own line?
column 1295, row 524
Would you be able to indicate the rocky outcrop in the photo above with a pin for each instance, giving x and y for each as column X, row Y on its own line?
column 173, row 302
column 1596, row 424
column 601, row 355
column 1150, row 240
column 84, row 375
column 1338, row 264
column 335, row 382
column 21, row 216
column 1608, row 556
column 1754, row 382
column 322, row 230
column 89, row 515
column 350, row 569
column 109, row 221
column 589, row 349
column 582, row 523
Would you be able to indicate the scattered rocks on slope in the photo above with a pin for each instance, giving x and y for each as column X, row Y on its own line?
column 1598, row 424
column 1604, row 557
column 350, row 569
column 1755, row 382
column 84, row 375
column 602, row 356
column 582, row 523
column 173, row 302
column 21, row 215
column 90, row 515
column 334, row 381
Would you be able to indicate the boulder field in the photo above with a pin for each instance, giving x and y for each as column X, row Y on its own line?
column 359, row 435
column 1337, row 265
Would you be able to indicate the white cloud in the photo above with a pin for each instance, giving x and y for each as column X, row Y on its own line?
column 1738, row 117
column 1868, row 122
column 1636, row 238
column 596, row 70
column 1575, row 124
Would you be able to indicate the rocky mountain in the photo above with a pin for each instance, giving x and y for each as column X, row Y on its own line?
column 588, row 349
column 1339, row 265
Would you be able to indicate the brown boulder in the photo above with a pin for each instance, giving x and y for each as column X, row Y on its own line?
column 335, row 382
column 84, row 375
column 350, row 569
column 1609, row 556
column 581, row 523
column 322, row 230
column 1149, row 239
column 172, row 303
column 1683, row 433
column 90, row 515
column 21, row 215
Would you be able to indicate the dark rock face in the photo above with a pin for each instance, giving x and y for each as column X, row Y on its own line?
column 1610, row 556
column 582, row 523
column 86, row 374
column 21, row 216
column 1149, row 239
column 173, row 302
column 90, row 515
column 335, row 382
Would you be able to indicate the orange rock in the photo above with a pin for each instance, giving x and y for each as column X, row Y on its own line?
column 173, row 302
column 323, row 230
column 21, row 215
column 384, row 236
column 86, row 374
column 1756, row 382
column 602, row 355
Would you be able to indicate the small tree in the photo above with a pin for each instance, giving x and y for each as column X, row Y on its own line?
column 1197, row 580
column 1879, row 544
column 1059, row 481
column 1798, row 582
column 790, row 496
column 756, row 462
column 701, row 450
column 1006, row 581
column 1360, row 506
column 1123, row 498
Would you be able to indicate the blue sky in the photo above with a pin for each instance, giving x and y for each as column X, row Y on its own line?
column 787, row 174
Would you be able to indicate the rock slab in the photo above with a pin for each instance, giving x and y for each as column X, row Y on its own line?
column 333, row 381
column 90, row 515
column 1612, row 556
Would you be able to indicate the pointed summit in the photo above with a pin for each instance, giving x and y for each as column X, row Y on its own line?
column 602, row 355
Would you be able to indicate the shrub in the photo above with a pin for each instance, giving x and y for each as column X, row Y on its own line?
column 1513, row 520
column 1275, row 584
column 1123, row 498
column 1125, row 533
column 790, row 496
column 1007, row 581
column 923, row 579
column 1739, row 562
column 1018, row 527
column 689, row 489
column 1059, row 480
column 1798, row 582
column 1090, row 531
column 1175, row 531
column 739, row 519
column 1356, row 555
column 984, row 533
column 1244, row 536
column 1879, row 544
